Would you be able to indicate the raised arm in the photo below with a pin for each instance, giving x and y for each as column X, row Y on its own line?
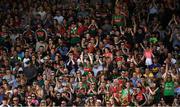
column 82, row 57
column 166, row 71
column 90, row 57
column 82, row 43
column 68, row 52
column 97, row 41
column 142, row 46
column 121, row 31
column 171, row 38
column 134, row 25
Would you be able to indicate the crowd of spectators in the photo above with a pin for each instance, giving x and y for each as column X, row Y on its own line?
column 89, row 53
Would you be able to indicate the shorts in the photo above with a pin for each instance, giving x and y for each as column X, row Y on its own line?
column 169, row 100
column 148, row 61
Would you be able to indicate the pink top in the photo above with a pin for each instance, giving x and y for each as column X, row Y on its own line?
column 148, row 53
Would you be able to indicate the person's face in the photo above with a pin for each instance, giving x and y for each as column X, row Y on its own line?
column 22, row 82
column 50, row 41
column 139, row 31
column 1, row 90
column 15, row 100
column 169, row 77
column 108, row 104
column 78, row 74
column 138, row 84
column 41, row 49
column 63, row 104
column 6, row 63
column 34, row 84
column 90, row 74
column 106, row 50
column 4, row 102
column 72, row 79
column 43, row 103
column 80, row 84
column 29, row 88
column 93, row 85
column 112, row 101
column 107, row 94
column 127, row 85
column 15, row 91
column 143, row 80
column 83, row 78
column 169, row 55
column 26, row 54
column 18, row 49
column 58, row 95
column 3, row 28
column 52, row 75
column 87, row 36
column 38, row 87
column 98, row 103
column 52, row 51
column 51, row 88
column 44, row 78
column 29, row 98
column 58, row 13
column 33, row 58
column 33, row 96
column 91, row 99
column 8, row 72
column 131, row 65
column 96, row 65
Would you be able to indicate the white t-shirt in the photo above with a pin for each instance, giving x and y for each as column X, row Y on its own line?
column 24, row 61
column 98, row 69
column 59, row 19
column 5, row 105
column 42, row 14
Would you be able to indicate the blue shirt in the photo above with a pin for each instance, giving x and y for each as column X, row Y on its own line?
column 63, row 50
column 1, row 97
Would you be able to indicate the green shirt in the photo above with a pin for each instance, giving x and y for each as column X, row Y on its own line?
column 153, row 40
column 74, row 40
column 118, row 20
column 169, row 88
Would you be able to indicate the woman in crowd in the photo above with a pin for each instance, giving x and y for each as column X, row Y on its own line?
column 82, row 53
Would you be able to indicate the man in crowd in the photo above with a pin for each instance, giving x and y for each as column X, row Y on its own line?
column 89, row 53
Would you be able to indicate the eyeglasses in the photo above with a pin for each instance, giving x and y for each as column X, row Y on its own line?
column 15, row 99
column 63, row 103
column 107, row 102
column 58, row 95
column 29, row 97
column 43, row 102
column 32, row 96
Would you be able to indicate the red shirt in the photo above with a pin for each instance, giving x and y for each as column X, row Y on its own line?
column 119, row 59
column 109, row 54
column 91, row 49
column 81, row 30
column 115, row 89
